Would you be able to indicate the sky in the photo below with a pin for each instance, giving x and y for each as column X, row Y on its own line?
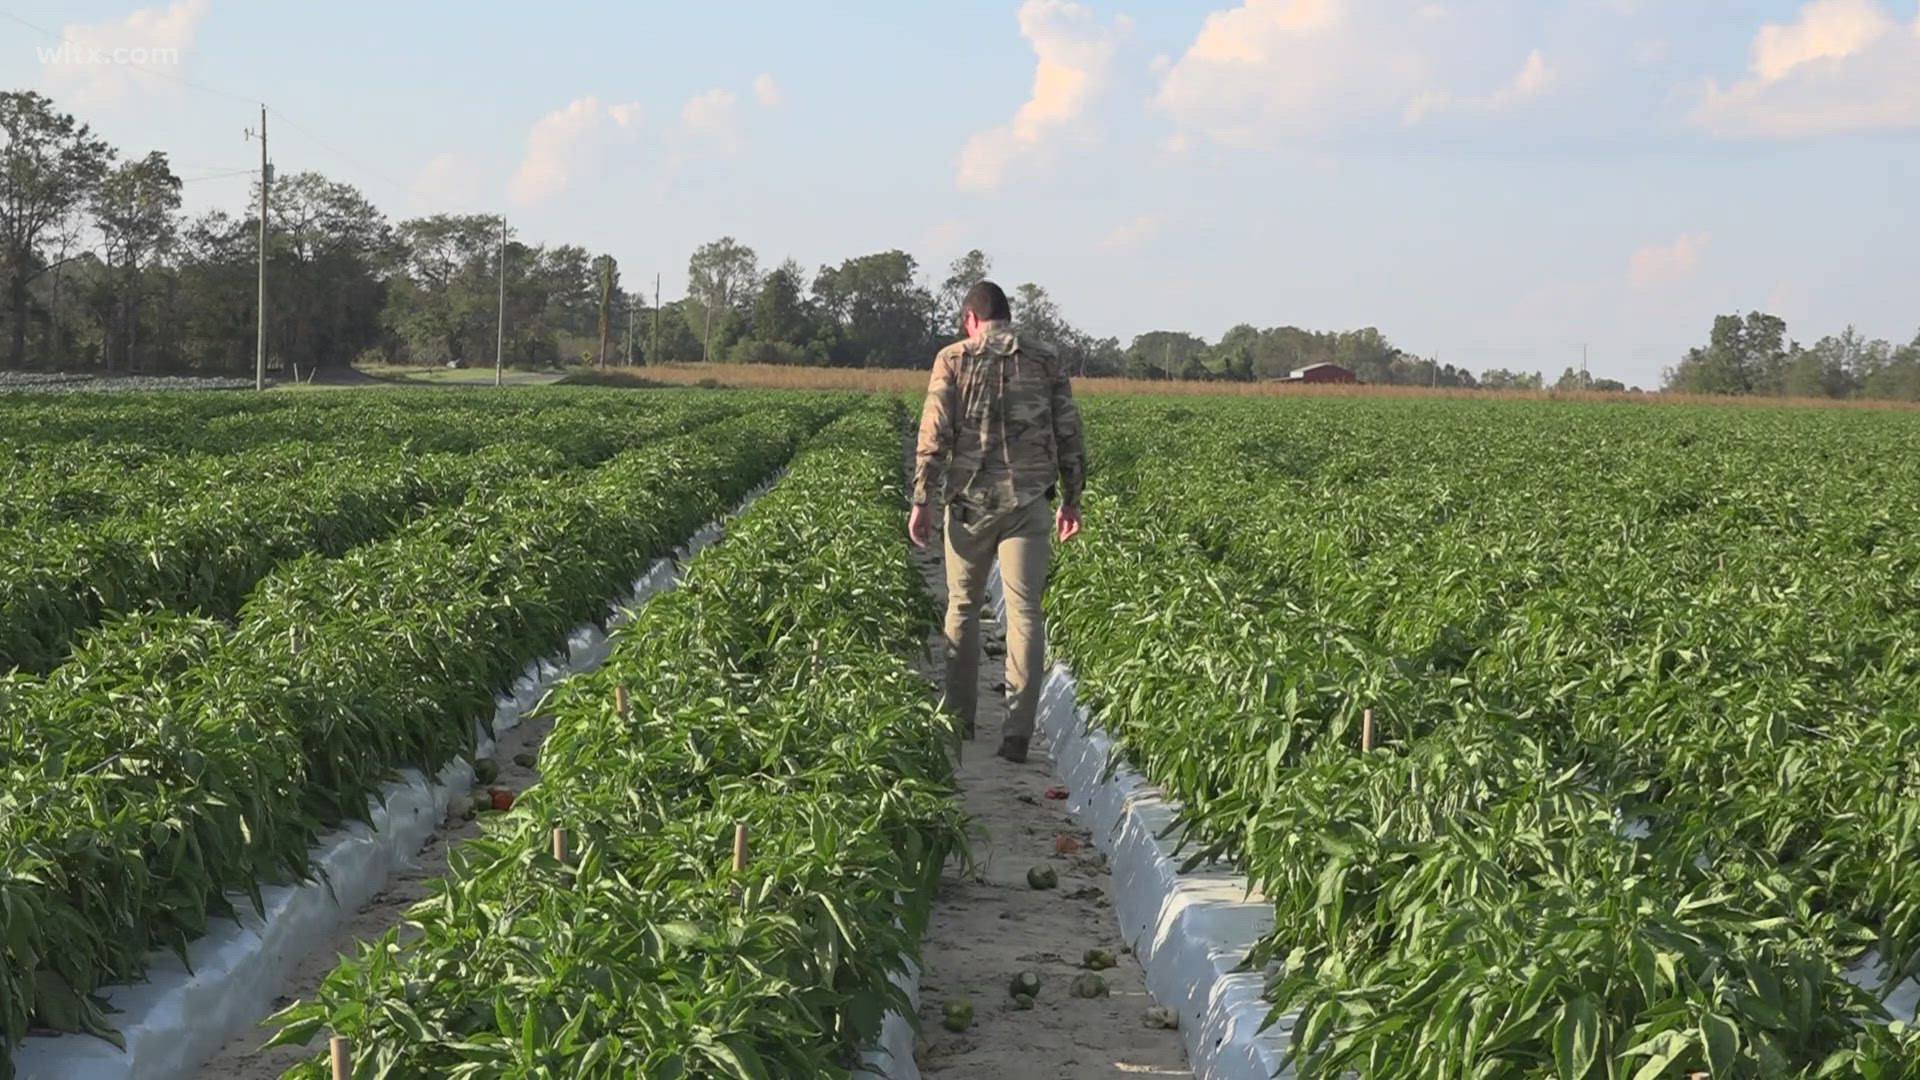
column 1496, row 183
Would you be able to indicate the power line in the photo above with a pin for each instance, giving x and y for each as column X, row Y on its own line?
column 218, row 176
column 339, row 153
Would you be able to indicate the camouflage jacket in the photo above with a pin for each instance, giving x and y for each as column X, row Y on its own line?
column 1000, row 407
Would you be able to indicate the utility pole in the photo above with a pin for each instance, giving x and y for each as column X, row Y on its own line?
column 260, row 331
column 606, row 306
column 500, row 338
column 654, row 353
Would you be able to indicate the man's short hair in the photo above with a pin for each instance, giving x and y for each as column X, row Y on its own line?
column 987, row 302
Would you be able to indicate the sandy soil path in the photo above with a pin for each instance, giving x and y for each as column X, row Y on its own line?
column 989, row 925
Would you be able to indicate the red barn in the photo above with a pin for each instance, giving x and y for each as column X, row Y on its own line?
column 1322, row 373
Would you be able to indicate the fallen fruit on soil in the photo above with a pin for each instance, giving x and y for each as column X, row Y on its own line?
column 1089, row 986
column 1042, row 877
column 1065, row 845
column 486, row 771
column 526, row 759
column 1023, row 1002
column 1057, row 792
column 1097, row 959
column 1159, row 1016
column 1027, row 982
column 502, row 799
column 959, row 1016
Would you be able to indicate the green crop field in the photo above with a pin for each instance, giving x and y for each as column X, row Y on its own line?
column 1647, row 691
column 1642, row 796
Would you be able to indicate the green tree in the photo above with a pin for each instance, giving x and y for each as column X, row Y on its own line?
column 677, row 344
column 1894, row 374
column 1035, row 313
column 50, row 164
column 330, row 253
column 210, row 309
column 962, row 274
column 1104, row 357
column 1837, row 366
column 444, row 303
column 136, row 209
column 1742, row 356
column 780, row 312
column 720, row 276
column 884, row 316
column 1371, row 357
column 1165, row 354
column 1502, row 379
column 1571, row 379
column 1233, row 356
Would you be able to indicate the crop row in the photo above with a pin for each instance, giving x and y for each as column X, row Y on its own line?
column 773, row 692
column 423, row 419
column 1645, row 692
column 200, row 544
column 83, row 466
column 174, row 762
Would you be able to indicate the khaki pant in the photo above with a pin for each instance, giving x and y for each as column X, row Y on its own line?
column 1023, row 542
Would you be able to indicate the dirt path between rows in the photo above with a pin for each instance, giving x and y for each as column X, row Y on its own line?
column 989, row 926
column 242, row 1058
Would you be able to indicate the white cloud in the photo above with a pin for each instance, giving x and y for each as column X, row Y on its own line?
column 1075, row 61
column 1280, row 68
column 715, row 117
column 767, row 91
column 1665, row 265
column 101, row 62
column 1134, row 234
column 1842, row 66
column 1534, row 78
column 565, row 142
column 1827, row 30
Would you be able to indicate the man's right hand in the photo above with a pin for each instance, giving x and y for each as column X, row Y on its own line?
column 919, row 525
column 1069, row 522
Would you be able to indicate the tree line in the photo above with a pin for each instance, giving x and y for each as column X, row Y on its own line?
column 1752, row 355
column 100, row 268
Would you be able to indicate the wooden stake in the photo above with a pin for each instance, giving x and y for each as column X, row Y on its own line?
column 620, row 700
column 560, row 845
column 739, row 848
column 1366, row 732
column 342, row 1049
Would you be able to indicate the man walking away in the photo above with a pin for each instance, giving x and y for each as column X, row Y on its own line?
column 1001, row 422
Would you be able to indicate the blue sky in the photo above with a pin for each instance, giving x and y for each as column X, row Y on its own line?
column 1496, row 182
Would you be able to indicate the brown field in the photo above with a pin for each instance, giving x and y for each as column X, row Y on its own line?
column 910, row 381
